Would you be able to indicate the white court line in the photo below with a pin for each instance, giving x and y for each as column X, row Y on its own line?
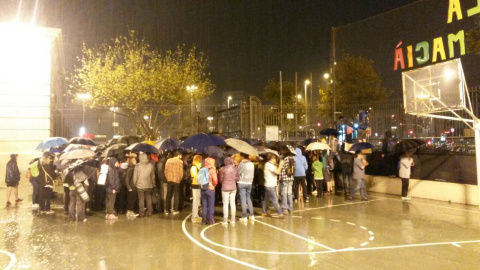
column 364, row 244
column 13, row 259
column 213, row 251
column 350, row 223
column 457, row 245
column 371, row 238
column 335, row 220
column 439, row 206
column 343, row 204
column 295, row 235
column 370, row 232
column 363, row 228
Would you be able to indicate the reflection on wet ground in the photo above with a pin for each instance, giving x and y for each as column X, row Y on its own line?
column 383, row 233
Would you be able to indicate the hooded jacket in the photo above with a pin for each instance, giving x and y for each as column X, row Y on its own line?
column 210, row 164
column 301, row 164
column 196, row 166
column 113, row 179
column 228, row 175
column 144, row 174
column 12, row 173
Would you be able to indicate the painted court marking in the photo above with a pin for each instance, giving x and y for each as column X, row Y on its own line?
column 13, row 259
column 213, row 251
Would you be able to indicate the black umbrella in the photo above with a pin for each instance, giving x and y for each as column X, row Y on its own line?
column 143, row 147
column 409, row 145
column 360, row 146
column 167, row 144
column 329, row 131
column 198, row 142
column 308, row 141
column 116, row 150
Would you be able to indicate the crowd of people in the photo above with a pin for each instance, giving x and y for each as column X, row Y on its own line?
column 141, row 184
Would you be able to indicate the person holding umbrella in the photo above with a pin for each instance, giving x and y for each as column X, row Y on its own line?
column 406, row 163
column 45, row 178
column 12, row 179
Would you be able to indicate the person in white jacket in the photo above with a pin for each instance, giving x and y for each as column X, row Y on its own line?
column 406, row 163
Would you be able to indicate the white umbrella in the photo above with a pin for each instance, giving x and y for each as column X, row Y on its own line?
column 78, row 154
column 317, row 146
column 242, row 147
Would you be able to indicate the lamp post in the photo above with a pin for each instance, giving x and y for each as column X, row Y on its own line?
column 210, row 118
column 296, row 113
column 307, row 82
column 228, row 115
column 191, row 89
column 114, row 124
column 83, row 97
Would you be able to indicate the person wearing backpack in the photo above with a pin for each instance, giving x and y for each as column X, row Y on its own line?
column 286, row 182
column 228, row 178
column 196, row 166
column 12, row 179
column 208, row 190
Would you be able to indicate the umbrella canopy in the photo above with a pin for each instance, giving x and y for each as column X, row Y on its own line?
column 360, row 146
column 143, row 147
column 78, row 154
column 308, row 141
column 51, row 142
column 117, row 149
column 317, row 146
column 198, row 142
column 408, row 145
column 214, row 151
column 329, row 131
column 231, row 151
column 167, row 144
column 74, row 146
column 80, row 140
column 264, row 150
column 242, row 147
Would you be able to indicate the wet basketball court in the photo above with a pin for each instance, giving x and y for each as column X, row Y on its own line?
column 328, row 233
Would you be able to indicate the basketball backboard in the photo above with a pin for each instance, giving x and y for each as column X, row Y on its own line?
column 435, row 88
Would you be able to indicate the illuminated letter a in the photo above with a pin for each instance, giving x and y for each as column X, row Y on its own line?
column 399, row 59
column 454, row 7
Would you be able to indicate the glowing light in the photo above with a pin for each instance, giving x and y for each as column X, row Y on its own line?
column 307, row 82
column 82, row 131
column 423, row 96
column 448, row 74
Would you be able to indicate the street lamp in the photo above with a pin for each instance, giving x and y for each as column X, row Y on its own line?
column 83, row 97
column 191, row 89
column 307, row 82
column 210, row 118
column 228, row 115
column 115, row 124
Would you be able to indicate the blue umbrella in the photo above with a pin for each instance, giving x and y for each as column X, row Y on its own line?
column 51, row 142
column 198, row 142
column 167, row 144
column 142, row 147
column 360, row 146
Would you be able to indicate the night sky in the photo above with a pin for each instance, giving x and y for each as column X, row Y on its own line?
column 247, row 42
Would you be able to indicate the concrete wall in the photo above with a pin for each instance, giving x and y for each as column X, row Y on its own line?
column 441, row 191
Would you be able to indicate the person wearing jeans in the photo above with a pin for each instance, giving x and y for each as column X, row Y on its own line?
column 286, row 183
column 174, row 174
column 301, row 167
column 228, row 178
column 245, row 179
column 144, row 181
column 270, row 173
column 208, row 196
column 196, row 166
column 359, row 164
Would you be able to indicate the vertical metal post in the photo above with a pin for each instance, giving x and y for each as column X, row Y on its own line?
column 333, row 64
column 296, row 105
column 281, row 107
column 476, row 126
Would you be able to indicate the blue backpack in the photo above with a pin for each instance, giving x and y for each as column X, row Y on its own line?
column 203, row 178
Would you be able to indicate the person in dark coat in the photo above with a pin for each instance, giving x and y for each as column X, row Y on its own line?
column 132, row 195
column 45, row 178
column 112, row 187
column 12, row 179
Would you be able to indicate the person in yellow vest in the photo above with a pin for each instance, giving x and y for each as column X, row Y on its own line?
column 196, row 166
